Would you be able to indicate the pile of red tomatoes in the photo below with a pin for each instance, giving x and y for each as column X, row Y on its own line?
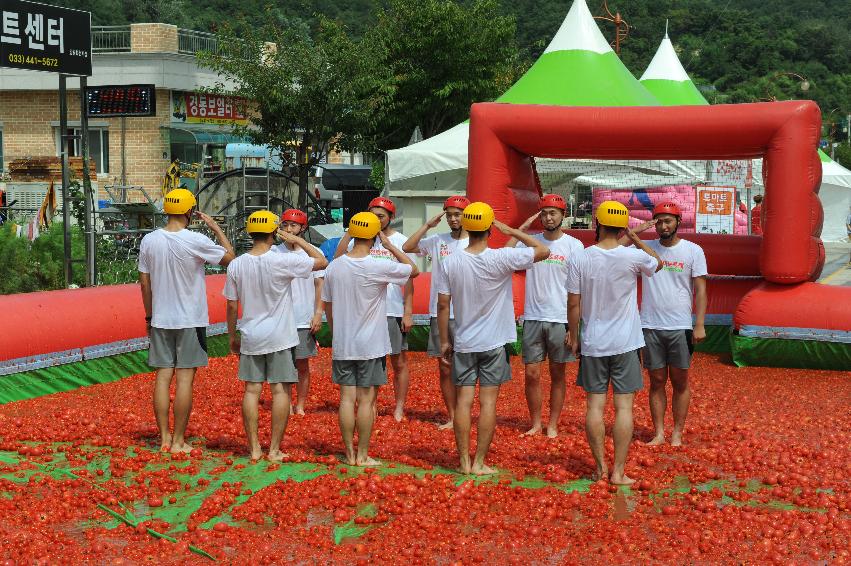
column 763, row 477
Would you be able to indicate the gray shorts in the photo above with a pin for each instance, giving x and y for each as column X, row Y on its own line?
column 306, row 345
column 433, row 348
column 178, row 348
column 360, row 373
column 623, row 370
column 398, row 339
column 490, row 368
column 542, row 339
column 667, row 348
column 276, row 367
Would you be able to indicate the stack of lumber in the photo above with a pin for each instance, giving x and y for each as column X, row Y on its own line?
column 47, row 169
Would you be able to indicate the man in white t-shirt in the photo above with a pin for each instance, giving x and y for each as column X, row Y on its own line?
column 355, row 295
column 400, row 300
column 438, row 247
column 602, row 287
column 307, row 305
column 477, row 283
column 174, row 293
column 261, row 280
column 666, row 317
column 545, row 313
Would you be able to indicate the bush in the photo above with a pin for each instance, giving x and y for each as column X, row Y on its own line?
column 37, row 266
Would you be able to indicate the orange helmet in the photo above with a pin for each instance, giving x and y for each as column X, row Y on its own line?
column 667, row 207
column 294, row 215
column 385, row 203
column 553, row 201
column 456, row 201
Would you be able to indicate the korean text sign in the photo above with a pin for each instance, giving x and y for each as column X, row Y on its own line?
column 715, row 210
column 39, row 37
column 201, row 108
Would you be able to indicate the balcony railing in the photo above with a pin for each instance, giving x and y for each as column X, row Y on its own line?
column 110, row 39
column 191, row 42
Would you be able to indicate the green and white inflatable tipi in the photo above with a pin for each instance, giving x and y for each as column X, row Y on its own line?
column 666, row 78
column 578, row 68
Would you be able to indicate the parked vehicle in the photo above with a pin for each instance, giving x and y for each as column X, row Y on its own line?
column 331, row 179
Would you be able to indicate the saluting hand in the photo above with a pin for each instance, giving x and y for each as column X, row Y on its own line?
column 529, row 221
column 436, row 220
column 207, row 219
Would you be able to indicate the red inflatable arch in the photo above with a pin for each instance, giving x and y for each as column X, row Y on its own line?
column 504, row 139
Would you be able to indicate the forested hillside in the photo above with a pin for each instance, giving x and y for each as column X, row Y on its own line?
column 740, row 47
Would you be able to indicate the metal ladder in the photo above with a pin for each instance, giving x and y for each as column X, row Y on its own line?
column 253, row 199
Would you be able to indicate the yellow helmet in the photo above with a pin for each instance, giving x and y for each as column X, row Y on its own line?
column 178, row 201
column 262, row 221
column 613, row 214
column 477, row 217
column 365, row 225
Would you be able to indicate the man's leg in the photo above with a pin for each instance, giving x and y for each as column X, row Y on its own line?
column 347, row 421
column 250, row 405
column 595, row 432
column 658, row 403
column 281, row 393
column 622, row 434
column 461, row 424
column 182, row 408
column 558, row 390
column 679, row 402
column 487, row 425
column 303, row 367
column 400, row 383
column 162, row 401
column 447, row 390
column 365, row 419
column 533, row 397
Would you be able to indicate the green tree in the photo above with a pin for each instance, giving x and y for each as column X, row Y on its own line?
column 443, row 56
column 309, row 91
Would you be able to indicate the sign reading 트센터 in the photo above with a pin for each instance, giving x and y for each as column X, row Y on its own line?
column 39, row 37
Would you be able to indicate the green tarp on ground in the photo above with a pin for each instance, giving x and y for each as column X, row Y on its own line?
column 36, row 383
column 801, row 354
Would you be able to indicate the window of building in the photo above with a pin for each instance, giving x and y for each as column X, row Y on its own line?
column 98, row 146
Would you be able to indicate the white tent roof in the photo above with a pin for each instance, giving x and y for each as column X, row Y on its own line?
column 579, row 32
column 665, row 64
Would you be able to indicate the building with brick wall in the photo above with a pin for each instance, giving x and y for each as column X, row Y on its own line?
column 132, row 150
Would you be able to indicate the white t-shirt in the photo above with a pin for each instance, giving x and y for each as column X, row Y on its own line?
column 395, row 293
column 667, row 298
column 303, row 290
column 357, row 289
column 546, row 294
column 438, row 248
column 481, row 290
column 607, row 280
column 262, row 284
column 175, row 262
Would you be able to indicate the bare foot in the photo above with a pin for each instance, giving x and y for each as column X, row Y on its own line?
column 599, row 474
column 445, row 426
column 349, row 458
column 552, row 432
column 676, row 439
column 464, row 470
column 255, row 453
column 367, row 462
column 182, row 448
column 299, row 411
column 483, row 470
column 532, row 431
column 657, row 441
column 399, row 414
column 621, row 479
column 276, row 455
column 165, row 442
